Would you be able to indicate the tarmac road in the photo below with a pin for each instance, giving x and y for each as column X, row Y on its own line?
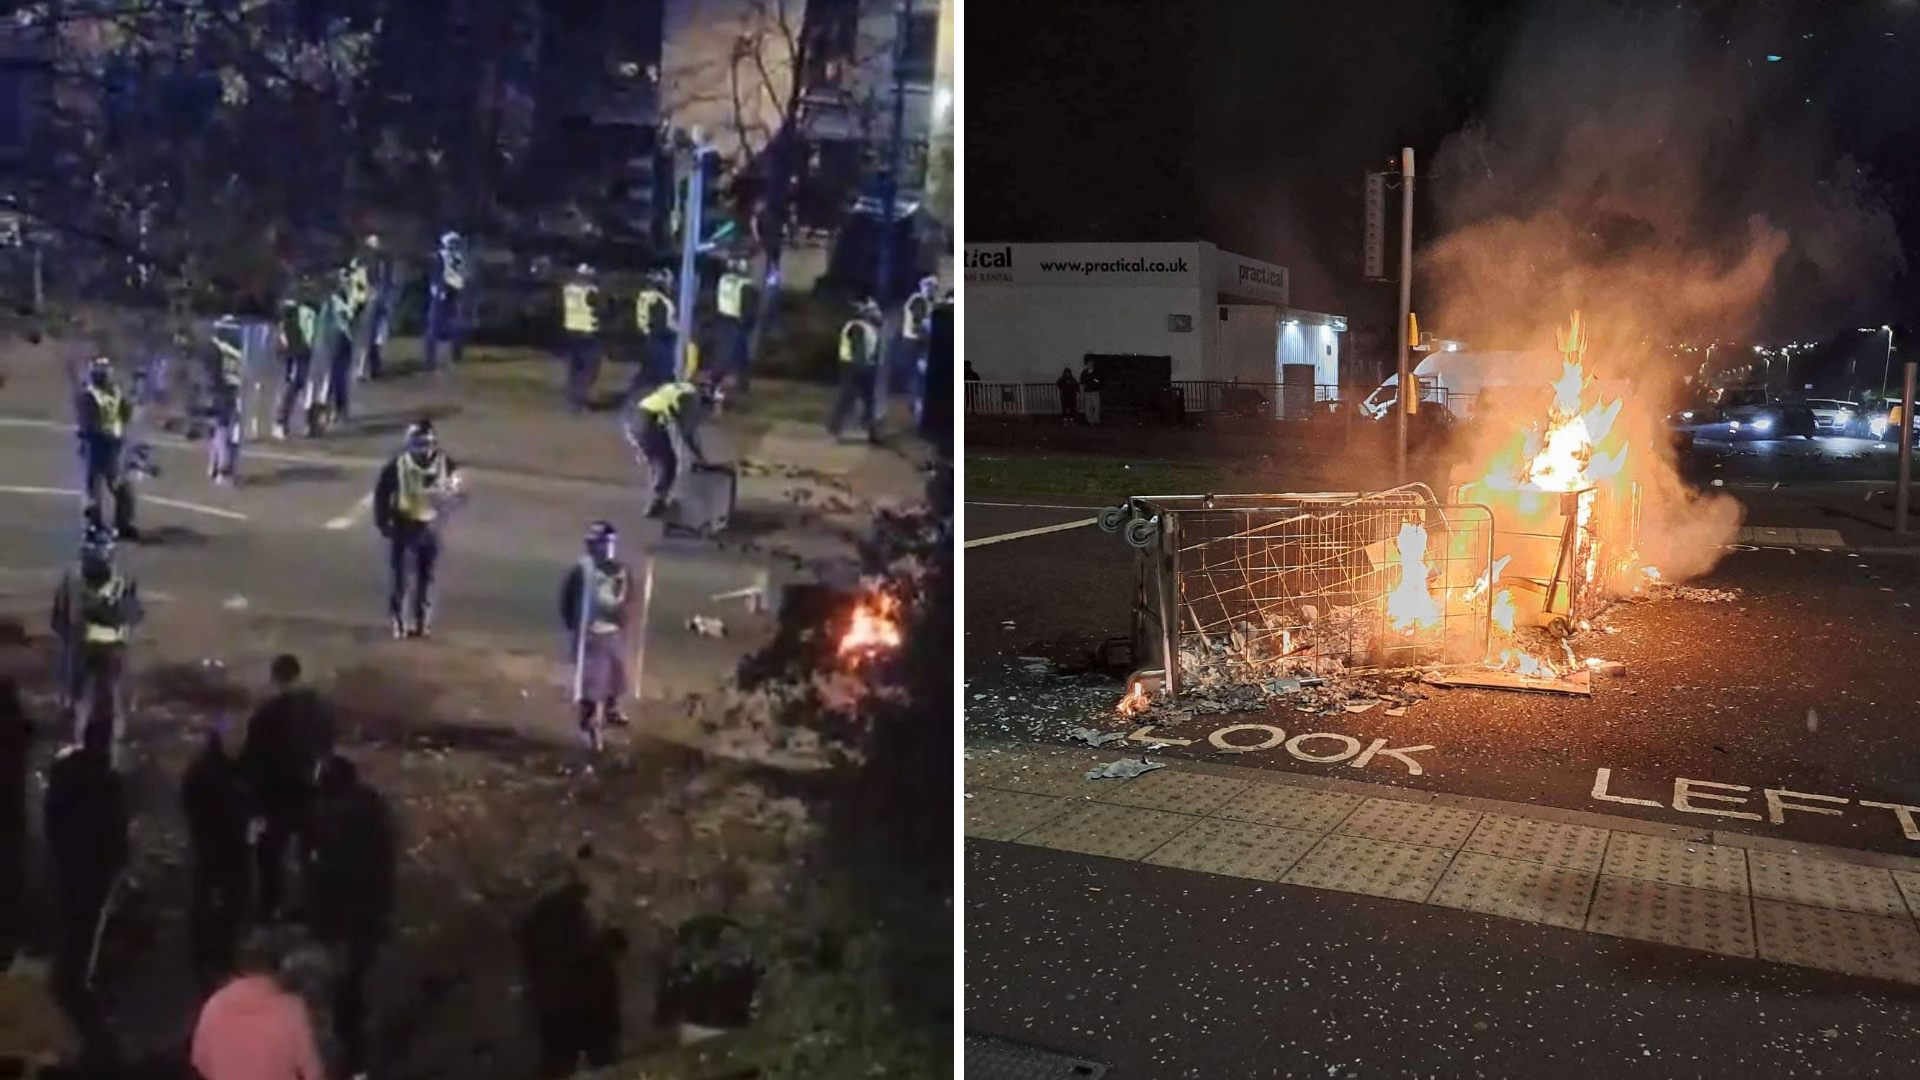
column 1806, row 684
column 294, row 545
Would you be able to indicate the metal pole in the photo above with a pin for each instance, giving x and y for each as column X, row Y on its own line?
column 691, row 227
column 1406, row 387
column 889, row 194
column 1886, row 365
column 1904, row 497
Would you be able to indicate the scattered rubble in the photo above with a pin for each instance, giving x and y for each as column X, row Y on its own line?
column 1123, row 769
column 707, row 626
column 1661, row 590
column 1096, row 738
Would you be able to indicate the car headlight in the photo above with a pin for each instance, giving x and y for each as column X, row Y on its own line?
column 1733, row 425
column 1763, row 423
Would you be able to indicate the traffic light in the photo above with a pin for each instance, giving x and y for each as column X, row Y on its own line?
column 716, row 219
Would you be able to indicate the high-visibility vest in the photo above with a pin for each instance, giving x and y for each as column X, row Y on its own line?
column 418, row 486
column 298, row 323
column 859, row 341
column 453, row 270
column 918, row 308
column 105, row 623
column 609, row 599
column 665, row 402
column 107, row 399
column 231, row 356
column 578, row 298
column 646, row 304
column 359, row 284
column 733, row 290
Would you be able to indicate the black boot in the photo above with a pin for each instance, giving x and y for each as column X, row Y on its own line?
column 610, row 709
column 590, row 728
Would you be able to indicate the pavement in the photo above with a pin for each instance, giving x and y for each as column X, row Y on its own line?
column 289, row 556
column 1771, row 727
column 1207, row 921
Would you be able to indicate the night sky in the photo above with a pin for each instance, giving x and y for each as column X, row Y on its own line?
column 1251, row 124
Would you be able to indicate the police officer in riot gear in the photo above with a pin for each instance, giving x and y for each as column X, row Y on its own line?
column 447, row 282
column 734, row 300
column 414, row 491
column 666, row 416
column 94, row 613
column 859, row 370
column 654, row 316
column 916, row 325
column 597, row 602
column 580, row 320
column 102, row 413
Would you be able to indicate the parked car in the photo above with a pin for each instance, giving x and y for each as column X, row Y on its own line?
column 1752, row 413
column 1833, row 416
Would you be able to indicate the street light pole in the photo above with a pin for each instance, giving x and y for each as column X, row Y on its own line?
column 1887, row 364
column 1903, row 496
column 1407, row 391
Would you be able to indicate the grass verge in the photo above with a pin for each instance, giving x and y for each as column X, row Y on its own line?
column 1090, row 476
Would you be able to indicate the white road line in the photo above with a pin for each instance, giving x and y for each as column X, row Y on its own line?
column 355, row 513
column 1030, row 532
column 1036, row 506
column 158, row 500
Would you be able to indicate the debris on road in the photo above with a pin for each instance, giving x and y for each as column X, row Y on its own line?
column 1124, row 769
column 707, row 626
column 1096, row 738
column 1605, row 667
column 1662, row 590
column 1578, row 684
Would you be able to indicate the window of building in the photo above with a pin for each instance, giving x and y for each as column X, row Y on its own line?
column 917, row 55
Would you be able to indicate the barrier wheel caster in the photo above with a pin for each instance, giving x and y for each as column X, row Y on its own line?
column 1141, row 531
column 1112, row 518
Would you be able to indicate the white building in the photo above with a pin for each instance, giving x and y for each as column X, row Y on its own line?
column 1033, row 309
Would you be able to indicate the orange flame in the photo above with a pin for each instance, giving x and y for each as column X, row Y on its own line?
column 1503, row 611
column 875, row 626
column 1410, row 606
column 1136, row 701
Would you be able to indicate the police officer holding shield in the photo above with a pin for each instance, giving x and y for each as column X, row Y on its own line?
column 597, row 605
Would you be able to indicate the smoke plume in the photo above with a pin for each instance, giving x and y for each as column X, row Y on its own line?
column 1638, row 166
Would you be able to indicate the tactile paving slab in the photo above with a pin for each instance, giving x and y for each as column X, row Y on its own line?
column 1411, row 823
column 1168, row 789
column 1909, row 882
column 1842, row 941
column 1576, row 847
column 1531, row 891
column 1706, row 919
column 1236, row 848
column 1289, row 807
column 1374, row 867
column 997, row 1059
column 1676, row 862
column 1037, row 774
column 1121, row 832
column 1824, row 883
column 992, row 814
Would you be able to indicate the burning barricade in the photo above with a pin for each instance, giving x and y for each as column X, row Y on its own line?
column 1243, row 596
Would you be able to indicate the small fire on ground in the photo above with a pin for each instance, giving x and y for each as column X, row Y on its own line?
column 874, row 626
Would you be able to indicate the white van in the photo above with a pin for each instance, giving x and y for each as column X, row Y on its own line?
column 1458, row 379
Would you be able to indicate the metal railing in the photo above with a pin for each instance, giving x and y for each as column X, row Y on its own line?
column 1273, row 401
column 1249, row 588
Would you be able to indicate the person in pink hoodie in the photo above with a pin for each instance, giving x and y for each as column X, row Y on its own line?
column 254, row 1027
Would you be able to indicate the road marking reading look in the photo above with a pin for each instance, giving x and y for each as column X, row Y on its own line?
column 1242, row 739
column 1030, row 532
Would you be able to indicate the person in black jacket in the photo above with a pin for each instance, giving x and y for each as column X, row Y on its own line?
column 16, row 741
column 413, row 490
column 348, row 903
column 571, row 968
column 213, row 798
column 1069, row 394
column 85, row 818
column 286, row 739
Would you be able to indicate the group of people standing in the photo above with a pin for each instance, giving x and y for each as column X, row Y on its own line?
column 281, row 804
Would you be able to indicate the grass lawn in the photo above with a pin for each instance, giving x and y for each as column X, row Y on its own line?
column 1104, row 478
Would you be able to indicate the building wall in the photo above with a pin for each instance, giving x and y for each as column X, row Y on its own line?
column 1307, row 343
column 1245, row 344
column 1029, row 334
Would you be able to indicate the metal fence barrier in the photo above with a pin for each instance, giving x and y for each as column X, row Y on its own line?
column 1275, row 401
column 1248, row 588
